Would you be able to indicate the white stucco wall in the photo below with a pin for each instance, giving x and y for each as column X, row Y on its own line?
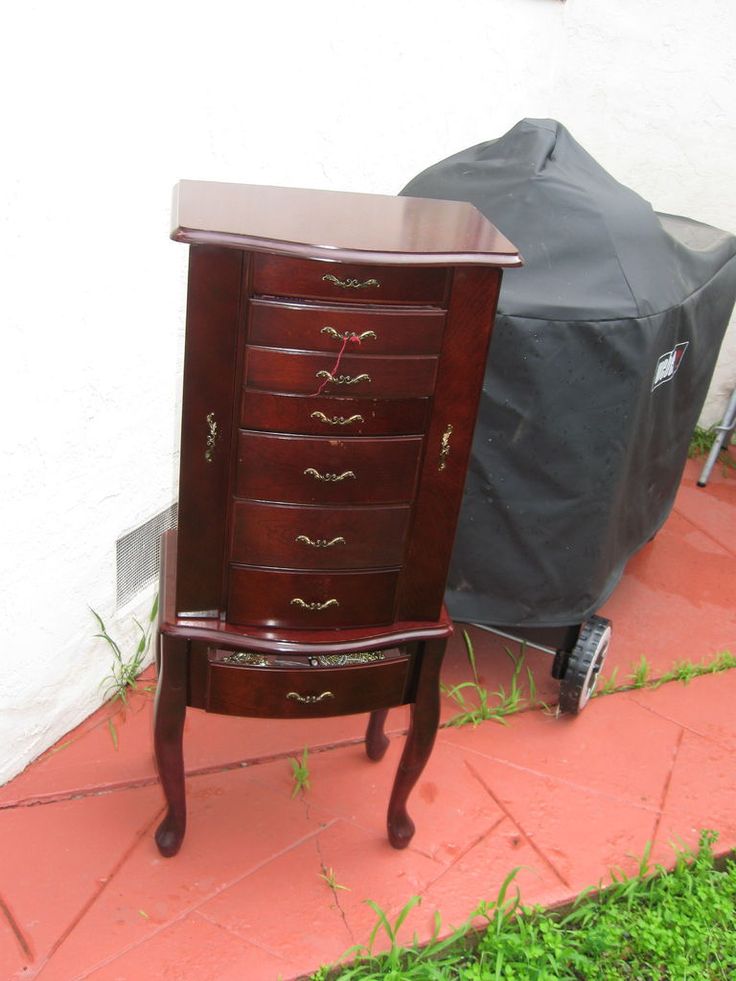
column 106, row 107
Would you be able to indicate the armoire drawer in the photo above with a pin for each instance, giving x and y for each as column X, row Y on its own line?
column 327, row 415
column 304, row 373
column 269, row 598
column 275, row 275
column 281, row 536
column 324, row 327
column 269, row 693
column 320, row 470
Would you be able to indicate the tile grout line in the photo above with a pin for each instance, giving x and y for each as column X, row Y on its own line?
column 137, row 783
column 237, row 936
column 140, row 782
column 540, row 774
column 87, row 906
column 682, row 725
column 666, row 787
column 478, row 839
column 547, row 861
column 23, row 941
column 704, row 531
column 195, row 908
column 323, row 872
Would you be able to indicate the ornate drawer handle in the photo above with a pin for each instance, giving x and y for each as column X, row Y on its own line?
column 316, row 606
column 349, row 335
column 342, row 379
column 336, row 420
column 246, row 657
column 310, row 699
column 328, row 477
column 338, row 660
column 212, row 437
column 445, row 447
column 349, row 284
column 320, row 542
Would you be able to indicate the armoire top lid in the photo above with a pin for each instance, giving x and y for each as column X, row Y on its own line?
column 337, row 225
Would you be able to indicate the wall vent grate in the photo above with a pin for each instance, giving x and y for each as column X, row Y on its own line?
column 138, row 555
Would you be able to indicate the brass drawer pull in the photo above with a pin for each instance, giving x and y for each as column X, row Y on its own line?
column 328, row 477
column 212, row 437
column 246, row 657
column 316, row 606
column 320, row 542
column 445, row 447
column 310, row 699
column 349, row 284
column 337, row 420
column 338, row 660
column 349, row 335
column 342, row 379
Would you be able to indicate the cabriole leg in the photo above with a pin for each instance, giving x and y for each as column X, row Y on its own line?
column 376, row 740
column 425, row 716
column 171, row 706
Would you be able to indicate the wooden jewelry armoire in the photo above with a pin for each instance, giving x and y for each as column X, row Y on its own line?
column 335, row 352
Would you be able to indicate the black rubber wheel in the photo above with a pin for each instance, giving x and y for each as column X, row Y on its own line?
column 584, row 664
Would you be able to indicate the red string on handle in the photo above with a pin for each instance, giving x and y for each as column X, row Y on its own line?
column 352, row 338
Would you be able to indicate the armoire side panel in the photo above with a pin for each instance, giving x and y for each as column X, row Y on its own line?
column 206, row 432
column 447, row 444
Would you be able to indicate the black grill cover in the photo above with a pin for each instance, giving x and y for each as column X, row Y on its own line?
column 603, row 351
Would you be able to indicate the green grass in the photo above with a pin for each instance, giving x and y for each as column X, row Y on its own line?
column 655, row 926
column 300, row 774
column 123, row 677
column 478, row 705
column 331, row 879
column 683, row 671
column 701, row 441
column 125, row 670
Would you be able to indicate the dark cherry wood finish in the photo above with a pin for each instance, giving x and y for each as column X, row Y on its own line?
column 371, row 331
column 270, row 598
column 459, row 382
column 281, row 693
column 347, row 282
column 283, row 536
column 337, row 226
column 326, row 470
column 213, row 306
column 321, row 415
column 304, row 373
column 335, row 352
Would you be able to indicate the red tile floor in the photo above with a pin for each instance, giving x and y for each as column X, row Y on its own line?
column 84, row 893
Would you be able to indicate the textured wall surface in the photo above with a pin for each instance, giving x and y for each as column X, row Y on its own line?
column 106, row 107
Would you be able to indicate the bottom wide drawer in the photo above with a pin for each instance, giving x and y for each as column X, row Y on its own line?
column 277, row 693
column 264, row 598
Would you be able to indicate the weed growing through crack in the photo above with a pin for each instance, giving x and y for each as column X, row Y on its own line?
column 683, row 671
column 641, row 673
column 123, row 677
column 300, row 774
column 331, row 879
column 478, row 705
column 494, row 705
column 701, row 441
column 607, row 686
column 124, row 674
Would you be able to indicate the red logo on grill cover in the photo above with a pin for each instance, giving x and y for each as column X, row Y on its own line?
column 668, row 364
